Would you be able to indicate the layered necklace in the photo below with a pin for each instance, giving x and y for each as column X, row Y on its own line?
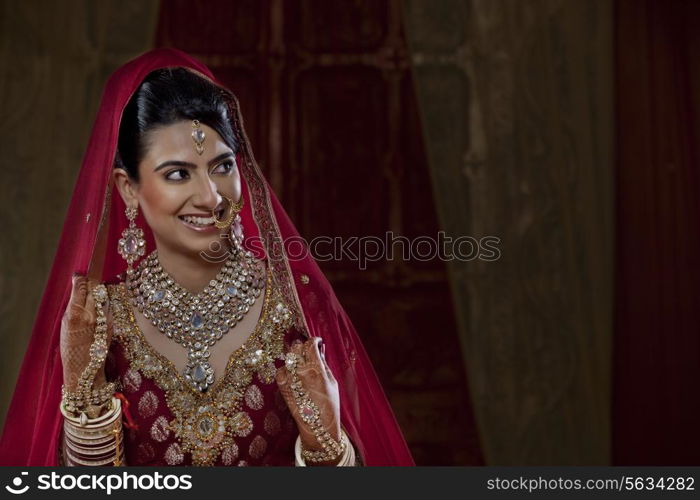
column 197, row 321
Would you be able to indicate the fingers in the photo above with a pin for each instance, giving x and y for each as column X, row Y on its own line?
column 80, row 312
column 315, row 354
column 79, row 290
column 282, row 376
column 315, row 357
column 90, row 299
column 311, row 352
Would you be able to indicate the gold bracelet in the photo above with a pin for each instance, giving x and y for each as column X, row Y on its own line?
column 95, row 447
column 107, row 438
column 92, row 425
column 76, row 461
column 85, row 395
column 76, row 401
column 331, row 449
column 346, row 460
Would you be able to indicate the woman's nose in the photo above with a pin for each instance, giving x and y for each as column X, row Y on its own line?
column 207, row 196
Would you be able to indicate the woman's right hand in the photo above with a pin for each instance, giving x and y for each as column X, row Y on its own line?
column 78, row 333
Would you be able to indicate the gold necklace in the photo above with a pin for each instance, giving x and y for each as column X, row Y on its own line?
column 197, row 321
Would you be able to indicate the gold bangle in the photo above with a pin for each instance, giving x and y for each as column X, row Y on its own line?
column 91, row 424
column 97, row 441
column 94, row 442
column 106, row 452
column 101, row 449
column 76, row 461
column 346, row 460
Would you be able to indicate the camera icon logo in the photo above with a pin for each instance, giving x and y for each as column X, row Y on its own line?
column 17, row 482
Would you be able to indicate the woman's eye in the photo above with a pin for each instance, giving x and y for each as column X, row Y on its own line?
column 177, row 175
column 223, row 168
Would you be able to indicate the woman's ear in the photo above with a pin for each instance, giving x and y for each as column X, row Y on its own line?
column 126, row 185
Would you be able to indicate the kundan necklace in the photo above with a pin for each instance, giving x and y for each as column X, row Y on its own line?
column 197, row 321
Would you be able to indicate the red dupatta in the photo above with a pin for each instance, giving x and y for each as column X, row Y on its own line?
column 88, row 245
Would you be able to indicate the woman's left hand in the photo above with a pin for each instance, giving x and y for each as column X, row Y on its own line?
column 320, row 385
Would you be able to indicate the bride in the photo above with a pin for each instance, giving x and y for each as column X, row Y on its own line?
column 174, row 328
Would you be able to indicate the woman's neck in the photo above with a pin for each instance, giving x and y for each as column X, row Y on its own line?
column 191, row 272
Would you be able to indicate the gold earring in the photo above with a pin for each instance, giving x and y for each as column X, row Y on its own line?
column 132, row 244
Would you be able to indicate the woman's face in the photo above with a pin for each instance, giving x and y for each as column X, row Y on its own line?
column 178, row 188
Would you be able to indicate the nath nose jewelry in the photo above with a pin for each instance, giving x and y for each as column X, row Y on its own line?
column 198, row 137
column 231, row 219
column 231, row 211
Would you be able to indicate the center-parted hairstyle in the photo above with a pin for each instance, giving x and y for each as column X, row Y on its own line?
column 165, row 97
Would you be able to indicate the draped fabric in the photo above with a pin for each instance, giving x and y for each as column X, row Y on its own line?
column 516, row 106
column 657, row 338
column 88, row 245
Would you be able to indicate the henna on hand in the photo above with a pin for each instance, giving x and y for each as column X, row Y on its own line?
column 320, row 385
column 78, row 332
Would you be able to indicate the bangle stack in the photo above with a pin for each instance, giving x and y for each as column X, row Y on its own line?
column 97, row 441
column 346, row 460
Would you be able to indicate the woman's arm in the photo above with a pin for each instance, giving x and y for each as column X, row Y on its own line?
column 92, row 425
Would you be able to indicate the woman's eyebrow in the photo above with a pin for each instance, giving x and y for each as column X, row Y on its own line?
column 177, row 163
column 174, row 163
column 222, row 156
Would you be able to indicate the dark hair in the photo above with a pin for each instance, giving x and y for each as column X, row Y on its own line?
column 167, row 96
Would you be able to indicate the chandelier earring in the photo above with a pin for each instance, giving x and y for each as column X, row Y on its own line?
column 132, row 244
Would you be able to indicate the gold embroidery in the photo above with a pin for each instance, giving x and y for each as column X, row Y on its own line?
column 229, row 454
column 207, row 423
column 174, row 455
column 148, row 404
column 254, row 398
column 159, row 430
column 257, row 447
column 132, row 380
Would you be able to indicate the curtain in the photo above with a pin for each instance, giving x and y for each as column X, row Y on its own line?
column 54, row 60
column 517, row 111
column 657, row 331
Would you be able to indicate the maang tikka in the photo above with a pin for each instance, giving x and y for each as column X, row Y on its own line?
column 132, row 244
column 198, row 137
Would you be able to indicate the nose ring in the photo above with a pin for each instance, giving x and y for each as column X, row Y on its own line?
column 231, row 211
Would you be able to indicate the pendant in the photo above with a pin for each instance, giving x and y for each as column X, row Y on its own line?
column 199, row 373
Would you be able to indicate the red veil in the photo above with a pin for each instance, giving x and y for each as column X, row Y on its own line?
column 88, row 245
